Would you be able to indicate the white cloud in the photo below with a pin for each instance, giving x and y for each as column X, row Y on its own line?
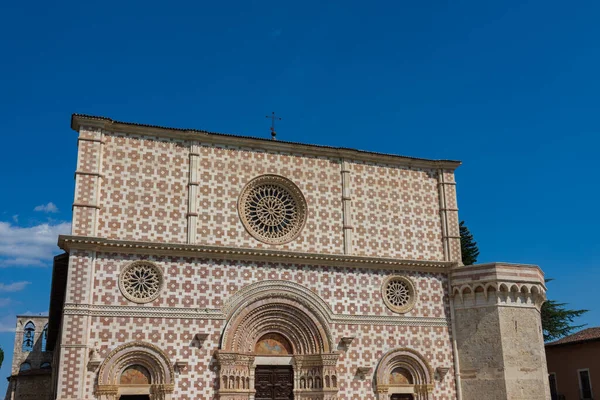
column 5, row 301
column 13, row 287
column 47, row 208
column 8, row 323
column 16, row 218
column 33, row 246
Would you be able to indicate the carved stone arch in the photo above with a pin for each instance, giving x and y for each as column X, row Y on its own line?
column 465, row 289
column 492, row 286
column 290, row 313
column 305, row 331
column 479, row 288
column 420, row 381
column 146, row 355
column 265, row 298
column 456, row 291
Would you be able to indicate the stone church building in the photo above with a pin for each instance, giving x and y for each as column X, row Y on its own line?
column 212, row 266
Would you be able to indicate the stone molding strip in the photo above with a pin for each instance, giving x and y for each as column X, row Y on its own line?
column 69, row 242
column 191, row 313
column 78, row 121
column 88, row 173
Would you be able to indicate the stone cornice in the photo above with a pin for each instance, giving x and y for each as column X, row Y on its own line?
column 497, row 272
column 68, row 243
column 78, row 121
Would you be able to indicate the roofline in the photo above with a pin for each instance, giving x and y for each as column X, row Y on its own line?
column 554, row 344
column 31, row 316
column 80, row 120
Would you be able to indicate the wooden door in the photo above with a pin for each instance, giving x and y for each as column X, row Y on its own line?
column 399, row 396
column 274, row 383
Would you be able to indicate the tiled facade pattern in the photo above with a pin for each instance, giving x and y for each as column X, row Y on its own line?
column 144, row 193
column 206, row 283
column 140, row 189
column 225, row 171
column 396, row 212
column 199, row 380
column 192, row 283
column 136, row 187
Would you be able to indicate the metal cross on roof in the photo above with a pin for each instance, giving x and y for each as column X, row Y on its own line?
column 273, row 118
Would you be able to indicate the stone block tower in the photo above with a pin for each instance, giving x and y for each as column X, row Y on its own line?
column 32, row 363
column 498, row 331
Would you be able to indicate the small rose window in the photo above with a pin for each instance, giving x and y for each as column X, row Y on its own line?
column 398, row 294
column 141, row 281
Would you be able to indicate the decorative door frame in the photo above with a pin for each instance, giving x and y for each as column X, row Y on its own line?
column 285, row 309
column 414, row 363
column 147, row 355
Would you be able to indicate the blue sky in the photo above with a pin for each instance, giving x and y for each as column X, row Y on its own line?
column 510, row 88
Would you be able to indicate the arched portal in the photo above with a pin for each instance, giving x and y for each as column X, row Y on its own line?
column 136, row 369
column 403, row 374
column 278, row 324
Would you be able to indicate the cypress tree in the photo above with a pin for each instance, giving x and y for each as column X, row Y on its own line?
column 468, row 245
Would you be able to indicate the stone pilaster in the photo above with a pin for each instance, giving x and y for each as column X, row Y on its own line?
column 88, row 181
column 449, row 216
column 346, row 208
column 74, row 343
column 192, row 214
column 498, row 331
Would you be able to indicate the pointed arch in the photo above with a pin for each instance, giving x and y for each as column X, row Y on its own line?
column 28, row 337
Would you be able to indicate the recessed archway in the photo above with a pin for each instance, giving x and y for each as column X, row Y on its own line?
column 136, row 369
column 275, row 323
column 404, row 373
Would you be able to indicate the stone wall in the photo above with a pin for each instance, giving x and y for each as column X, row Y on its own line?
column 35, row 357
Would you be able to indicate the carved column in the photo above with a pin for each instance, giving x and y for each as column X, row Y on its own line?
column 315, row 376
column 192, row 214
column 236, row 376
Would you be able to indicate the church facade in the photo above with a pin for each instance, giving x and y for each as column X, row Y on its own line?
column 213, row 266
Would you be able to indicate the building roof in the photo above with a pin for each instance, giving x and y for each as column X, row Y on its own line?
column 79, row 120
column 578, row 337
